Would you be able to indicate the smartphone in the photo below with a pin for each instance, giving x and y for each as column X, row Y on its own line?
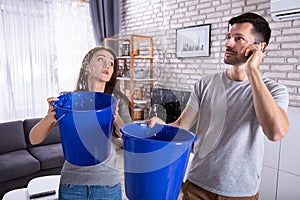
column 250, row 53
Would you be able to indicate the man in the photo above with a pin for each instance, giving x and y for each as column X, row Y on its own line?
column 234, row 109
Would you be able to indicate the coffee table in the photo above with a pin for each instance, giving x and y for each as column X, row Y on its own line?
column 44, row 184
column 20, row 194
column 38, row 185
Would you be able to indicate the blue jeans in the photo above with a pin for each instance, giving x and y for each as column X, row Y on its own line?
column 82, row 192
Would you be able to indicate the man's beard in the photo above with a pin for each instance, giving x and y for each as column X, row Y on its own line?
column 234, row 60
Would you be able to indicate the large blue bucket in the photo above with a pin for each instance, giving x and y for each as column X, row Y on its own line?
column 155, row 160
column 85, row 122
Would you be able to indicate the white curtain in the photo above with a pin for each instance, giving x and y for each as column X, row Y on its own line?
column 42, row 43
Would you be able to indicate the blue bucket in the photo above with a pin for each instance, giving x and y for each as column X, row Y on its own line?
column 85, row 122
column 155, row 160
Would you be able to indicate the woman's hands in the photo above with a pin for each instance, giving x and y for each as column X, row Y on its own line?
column 50, row 117
column 42, row 129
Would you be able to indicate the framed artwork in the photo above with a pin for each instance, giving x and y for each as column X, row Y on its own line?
column 193, row 41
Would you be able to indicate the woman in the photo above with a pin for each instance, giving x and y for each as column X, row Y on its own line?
column 97, row 74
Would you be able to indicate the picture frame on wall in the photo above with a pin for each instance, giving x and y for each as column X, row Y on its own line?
column 193, row 41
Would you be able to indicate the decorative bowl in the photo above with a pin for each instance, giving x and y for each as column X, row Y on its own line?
column 140, row 73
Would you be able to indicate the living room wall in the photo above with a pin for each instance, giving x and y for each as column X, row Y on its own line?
column 161, row 18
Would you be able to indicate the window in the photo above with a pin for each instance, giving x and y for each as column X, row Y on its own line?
column 42, row 43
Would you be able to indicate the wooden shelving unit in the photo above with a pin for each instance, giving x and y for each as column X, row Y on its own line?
column 134, row 59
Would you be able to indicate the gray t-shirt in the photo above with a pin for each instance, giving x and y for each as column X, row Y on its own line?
column 229, row 151
column 103, row 174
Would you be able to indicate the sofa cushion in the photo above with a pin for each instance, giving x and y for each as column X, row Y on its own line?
column 50, row 156
column 12, row 136
column 17, row 164
column 53, row 137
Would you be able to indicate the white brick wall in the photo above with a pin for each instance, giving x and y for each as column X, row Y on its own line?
column 161, row 18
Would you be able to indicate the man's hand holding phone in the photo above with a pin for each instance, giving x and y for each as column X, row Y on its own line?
column 254, row 54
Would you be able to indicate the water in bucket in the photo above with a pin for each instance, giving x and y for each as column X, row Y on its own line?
column 155, row 160
column 85, row 122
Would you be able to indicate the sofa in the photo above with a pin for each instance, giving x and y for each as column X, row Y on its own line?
column 20, row 161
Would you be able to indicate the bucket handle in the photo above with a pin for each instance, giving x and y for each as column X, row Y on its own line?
column 59, row 119
column 62, row 100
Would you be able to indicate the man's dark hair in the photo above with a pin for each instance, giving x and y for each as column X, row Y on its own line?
column 261, row 29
